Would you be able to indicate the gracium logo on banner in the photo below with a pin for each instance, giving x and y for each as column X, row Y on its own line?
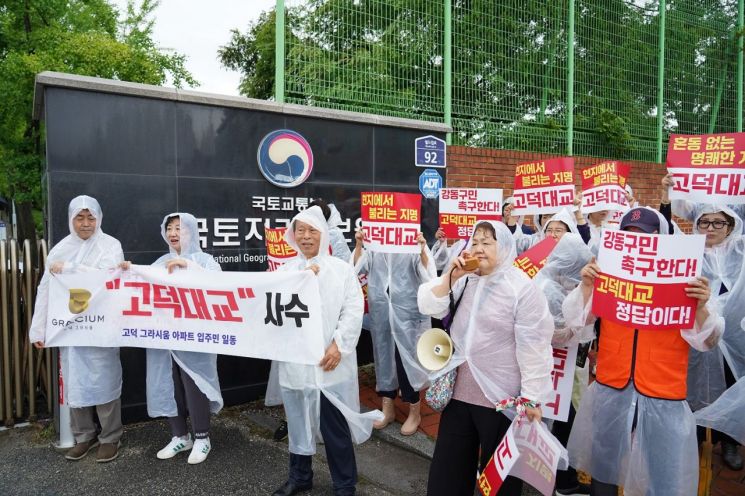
column 285, row 158
column 77, row 304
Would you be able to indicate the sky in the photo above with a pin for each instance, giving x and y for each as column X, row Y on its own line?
column 197, row 28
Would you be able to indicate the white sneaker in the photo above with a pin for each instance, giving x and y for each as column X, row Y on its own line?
column 176, row 446
column 200, row 451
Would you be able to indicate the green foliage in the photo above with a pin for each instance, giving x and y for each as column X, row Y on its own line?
column 85, row 37
column 253, row 55
column 510, row 65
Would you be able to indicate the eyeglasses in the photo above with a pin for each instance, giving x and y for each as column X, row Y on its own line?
column 556, row 231
column 718, row 224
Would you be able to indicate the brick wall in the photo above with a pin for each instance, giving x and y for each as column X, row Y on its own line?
column 488, row 168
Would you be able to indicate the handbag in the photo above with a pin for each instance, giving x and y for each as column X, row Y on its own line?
column 439, row 394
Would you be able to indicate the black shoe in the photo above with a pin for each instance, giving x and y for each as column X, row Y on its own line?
column 281, row 433
column 731, row 456
column 578, row 490
column 288, row 489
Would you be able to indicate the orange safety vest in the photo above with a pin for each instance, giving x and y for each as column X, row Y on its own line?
column 656, row 360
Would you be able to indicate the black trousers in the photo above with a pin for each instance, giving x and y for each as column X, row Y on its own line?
column 407, row 391
column 464, row 429
column 339, row 453
column 191, row 401
column 565, row 479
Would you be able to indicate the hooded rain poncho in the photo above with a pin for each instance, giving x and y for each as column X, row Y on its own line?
column 524, row 242
column 648, row 445
column 395, row 320
column 502, row 329
column 201, row 367
column 301, row 385
column 722, row 265
column 93, row 375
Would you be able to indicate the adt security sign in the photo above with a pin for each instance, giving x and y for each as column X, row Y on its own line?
column 430, row 152
column 430, row 183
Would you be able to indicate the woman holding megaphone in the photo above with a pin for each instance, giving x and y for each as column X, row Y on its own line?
column 502, row 337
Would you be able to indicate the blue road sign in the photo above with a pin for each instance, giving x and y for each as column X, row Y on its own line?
column 430, row 152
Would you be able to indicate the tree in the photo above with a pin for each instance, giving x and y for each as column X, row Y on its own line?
column 509, row 67
column 85, row 37
column 253, row 55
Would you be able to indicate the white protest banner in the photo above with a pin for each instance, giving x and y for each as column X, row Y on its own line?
column 644, row 277
column 462, row 208
column 708, row 168
column 271, row 315
column 565, row 361
column 529, row 452
column 544, row 186
column 390, row 221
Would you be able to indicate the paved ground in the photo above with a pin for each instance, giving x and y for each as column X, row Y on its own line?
column 244, row 460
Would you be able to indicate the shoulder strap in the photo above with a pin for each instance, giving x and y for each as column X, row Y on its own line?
column 454, row 305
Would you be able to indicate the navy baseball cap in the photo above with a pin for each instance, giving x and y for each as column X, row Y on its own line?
column 643, row 218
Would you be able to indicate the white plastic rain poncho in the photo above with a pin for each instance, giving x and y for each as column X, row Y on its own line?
column 523, row 242
column 556, row 279
column 339, row 245
column 688, row 210
column 726, row 413
column 92, row 375
column 723, row 267
column 443, row 254
column 301, row 385
column 622, row 437
column 502, row 329
column 201, row 367
column 392, row 281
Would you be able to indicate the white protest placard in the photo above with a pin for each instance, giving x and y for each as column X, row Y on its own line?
column 462, row 208
column 644, row 277
column 391, row 221
column 562, row 377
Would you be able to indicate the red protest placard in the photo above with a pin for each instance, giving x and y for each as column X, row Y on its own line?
column 603, row 187
column 390, row 221
column 462, row 208
column 533, row 260
column 707, row 168
column 277, row 250
column 544, row 186
column 644, row 277
column 499, row 466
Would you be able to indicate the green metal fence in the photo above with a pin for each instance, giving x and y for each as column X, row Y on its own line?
column 607, row 78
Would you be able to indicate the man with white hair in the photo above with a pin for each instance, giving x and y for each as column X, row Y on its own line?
column 323, row 400
column 93, row 375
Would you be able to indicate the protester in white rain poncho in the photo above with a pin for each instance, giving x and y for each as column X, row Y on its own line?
column 396, row 324
column 340, row 250
column 93, row 376
column 710, row 373
column 322, row 401
column 634, row 427
column 184, row 381
column 502, row 338
column 556, row 226
column 687, row 209
column 559, row 276
column 443, row 254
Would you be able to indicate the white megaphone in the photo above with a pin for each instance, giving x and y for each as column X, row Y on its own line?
column 434, row 349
